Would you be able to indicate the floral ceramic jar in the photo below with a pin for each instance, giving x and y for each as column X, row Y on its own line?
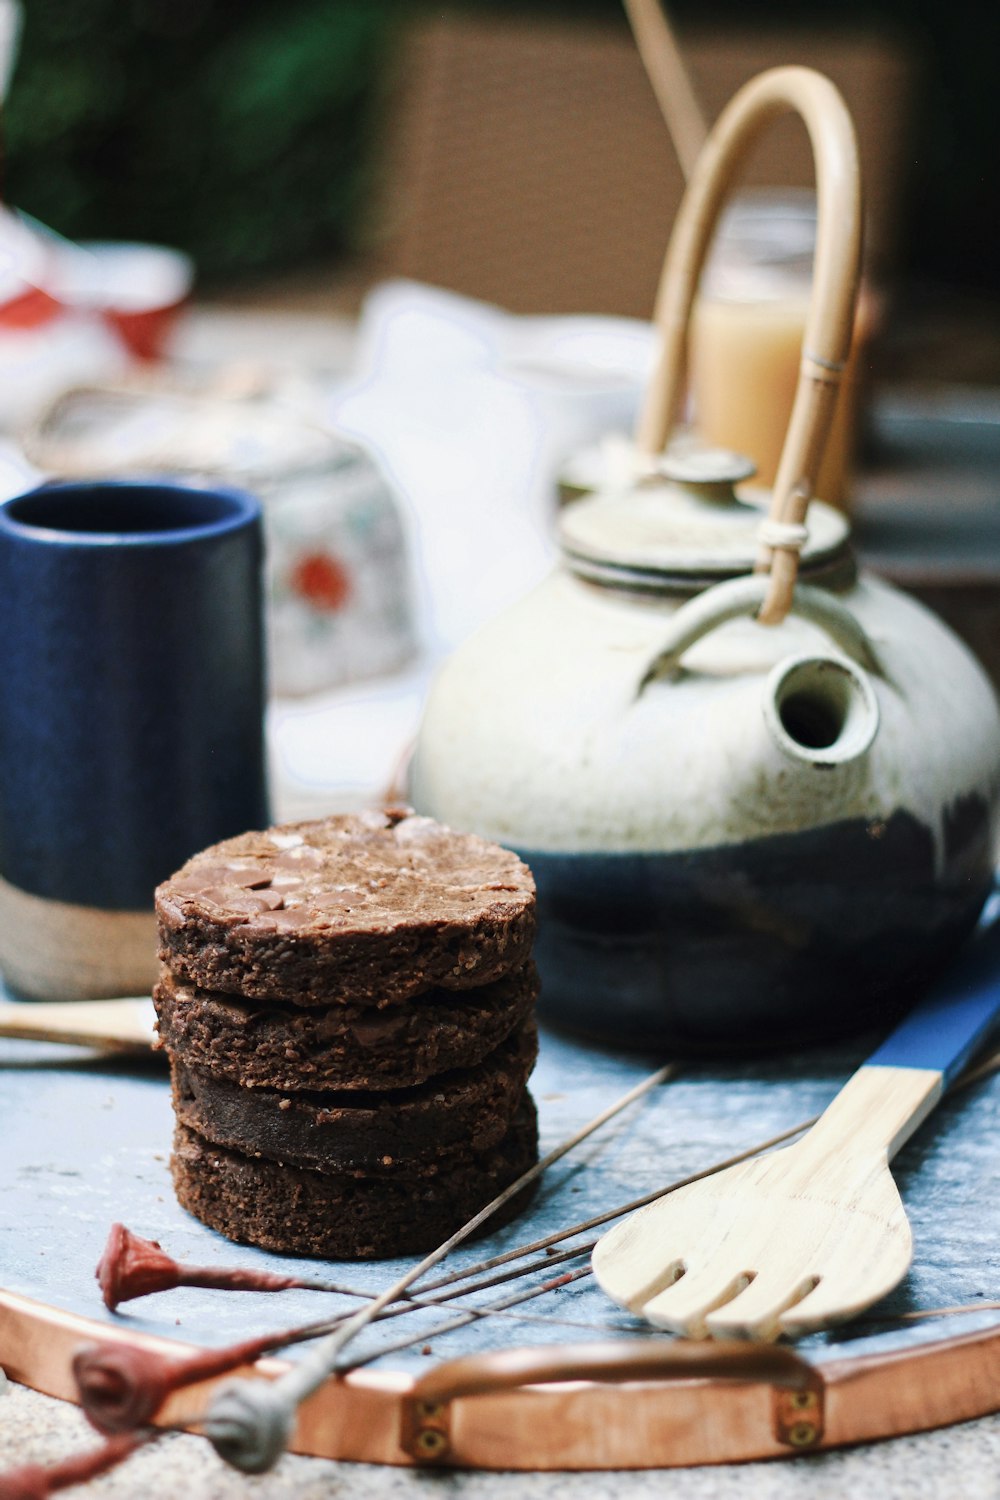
column 340, row 597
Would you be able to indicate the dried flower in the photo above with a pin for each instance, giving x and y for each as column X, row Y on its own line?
column 122, row 1387
column 35, row 1482
column 133, row 1267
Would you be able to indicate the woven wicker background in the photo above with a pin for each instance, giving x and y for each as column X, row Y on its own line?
column 527, row 162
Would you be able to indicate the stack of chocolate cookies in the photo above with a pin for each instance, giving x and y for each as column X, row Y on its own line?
column 348, row 1010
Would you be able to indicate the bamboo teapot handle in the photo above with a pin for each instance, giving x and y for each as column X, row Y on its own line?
column 830, row 320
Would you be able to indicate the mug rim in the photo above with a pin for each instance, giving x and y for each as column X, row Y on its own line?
column 239, row 508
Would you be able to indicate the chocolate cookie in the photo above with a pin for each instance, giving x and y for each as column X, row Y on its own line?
column 401, row 1132
column 300, row 1212
column 277, row 1045
column 366, row 908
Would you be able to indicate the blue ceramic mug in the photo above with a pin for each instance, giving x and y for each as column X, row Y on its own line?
column 131, row 716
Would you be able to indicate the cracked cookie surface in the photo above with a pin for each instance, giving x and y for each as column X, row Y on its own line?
column 367, row 908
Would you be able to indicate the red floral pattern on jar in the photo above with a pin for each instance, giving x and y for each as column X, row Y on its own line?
column 322, row 579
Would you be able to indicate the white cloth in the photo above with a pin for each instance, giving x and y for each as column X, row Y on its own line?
column 471, row 411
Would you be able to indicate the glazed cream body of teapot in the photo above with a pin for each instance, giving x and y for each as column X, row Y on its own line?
column 758, row 791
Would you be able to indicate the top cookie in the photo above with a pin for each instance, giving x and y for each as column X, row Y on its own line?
column 370, row 907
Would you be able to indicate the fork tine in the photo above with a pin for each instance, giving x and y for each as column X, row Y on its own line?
column 852, row 1281
column 831, row 1302
column 683, row 1307
column 755, row 1313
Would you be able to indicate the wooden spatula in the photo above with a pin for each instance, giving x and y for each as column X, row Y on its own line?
column 814, row 1233
column 118, row 1025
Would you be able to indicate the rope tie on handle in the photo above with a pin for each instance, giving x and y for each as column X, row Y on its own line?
column 791, row 535
column 780, row 544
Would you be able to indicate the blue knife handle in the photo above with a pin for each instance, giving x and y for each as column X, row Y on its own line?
column 944, row 1030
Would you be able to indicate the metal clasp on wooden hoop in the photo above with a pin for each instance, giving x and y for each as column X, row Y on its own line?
column 797, row 1386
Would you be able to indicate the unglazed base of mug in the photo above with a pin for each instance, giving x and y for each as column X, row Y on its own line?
column 51, row 950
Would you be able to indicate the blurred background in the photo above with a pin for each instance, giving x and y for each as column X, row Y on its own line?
column 434, row 234
column 262, row 138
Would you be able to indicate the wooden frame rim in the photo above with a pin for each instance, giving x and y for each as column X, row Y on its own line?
column 735, row 1408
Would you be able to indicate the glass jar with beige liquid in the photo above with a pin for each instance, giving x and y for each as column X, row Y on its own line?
column 746, row 337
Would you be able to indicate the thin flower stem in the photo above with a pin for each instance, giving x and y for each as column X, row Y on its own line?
column 616, row 1213
column 977, row 1072
column 35, row 1481
column 314, row 1369
column 919, row 1314
column 417, row 1299
column 249, row 1425
column 412, row 1302
column 467, row 1315
column 991, row 1064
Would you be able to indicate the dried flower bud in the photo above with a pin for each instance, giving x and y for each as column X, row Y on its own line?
column 133, row 1267
column 35, row 1482
column 26, row 1482
column 122, row 1388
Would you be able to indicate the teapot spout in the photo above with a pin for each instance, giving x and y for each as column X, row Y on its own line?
column 821, row 710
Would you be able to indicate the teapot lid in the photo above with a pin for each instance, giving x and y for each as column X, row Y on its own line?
column 675, row 520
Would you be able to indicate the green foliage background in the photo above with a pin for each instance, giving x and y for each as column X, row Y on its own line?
column 242, row 129
column 234, row 128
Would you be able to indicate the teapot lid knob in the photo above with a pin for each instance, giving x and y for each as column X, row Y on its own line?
column 706, row 473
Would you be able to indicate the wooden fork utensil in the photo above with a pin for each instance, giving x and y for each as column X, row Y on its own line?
column 806, row 1236
column 114, row 1025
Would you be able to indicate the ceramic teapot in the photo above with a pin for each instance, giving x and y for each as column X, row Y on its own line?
column 758, row 789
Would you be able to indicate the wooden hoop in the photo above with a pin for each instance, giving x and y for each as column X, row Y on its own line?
column 617, row 1405
column 830, row 320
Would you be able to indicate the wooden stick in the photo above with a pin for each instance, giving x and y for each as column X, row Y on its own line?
column 671, row 82
column 117, row 1025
